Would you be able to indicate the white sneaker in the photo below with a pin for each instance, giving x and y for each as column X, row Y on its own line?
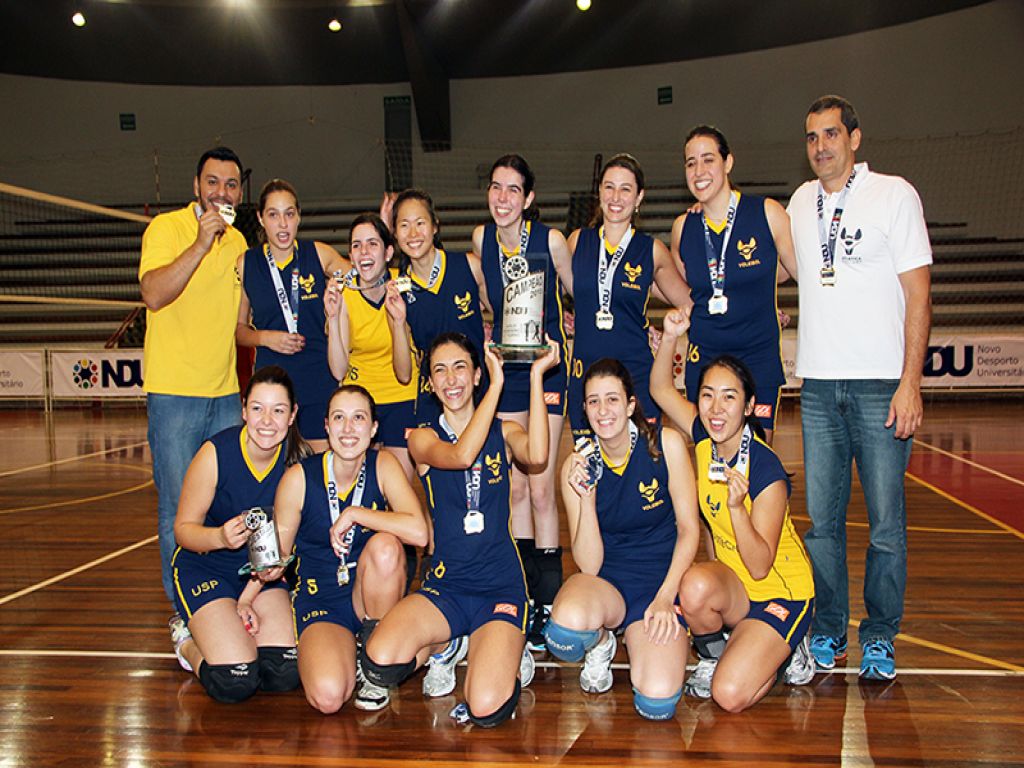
column 698, row 684
column 179, row 634
column 596, row 675
column 801, row 667
column 440, row 677
column 527, row 668
column 370, row 697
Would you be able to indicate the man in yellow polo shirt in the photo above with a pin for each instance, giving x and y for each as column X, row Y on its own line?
column 191, row 290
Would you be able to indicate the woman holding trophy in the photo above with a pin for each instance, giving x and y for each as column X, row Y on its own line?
column 524, row 264
column 236, row 638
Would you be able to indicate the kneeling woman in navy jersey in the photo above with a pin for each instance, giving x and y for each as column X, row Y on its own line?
column 236, row 638
column 348, row 511
column 476, row 585
column 634, row 529
column 759, row 588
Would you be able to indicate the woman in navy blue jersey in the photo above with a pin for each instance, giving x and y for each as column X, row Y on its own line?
column 436, row 291
column 236, row 638
column 475, row 585
column 517, row 246
column 281, row 312
column 347, row 511
column 731, row 252
column 632, row 507
column 615, row 268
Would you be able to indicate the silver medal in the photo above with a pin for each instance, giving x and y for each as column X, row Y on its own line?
column 473, row 522
column 604, row 320
column 716, row 472
column 828, row 276
column 343, row 576
column 516, row 268
column 718, row 305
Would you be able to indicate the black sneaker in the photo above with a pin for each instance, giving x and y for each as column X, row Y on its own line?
column 535, row 637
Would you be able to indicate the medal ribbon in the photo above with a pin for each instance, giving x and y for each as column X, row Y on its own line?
column 289, row 310
column 606, row 267
column 472, row 475
column 743, row 456
column 716, row 263
column 828, row 240
column 334, row 503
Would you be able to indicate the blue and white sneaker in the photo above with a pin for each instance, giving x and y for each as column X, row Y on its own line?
column 827, row 650
column 878, row 661
column 440, row 677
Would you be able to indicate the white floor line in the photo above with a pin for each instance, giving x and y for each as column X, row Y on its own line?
column 74, row 571
column 21, row 470
column 974, row 464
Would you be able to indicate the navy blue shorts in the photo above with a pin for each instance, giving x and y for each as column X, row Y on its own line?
column 199, row 579
column 319, row 598
column 637, row 597
column 515, row 394
column 790, row 618
column 467, row 612
column 768, row 380
column 310, row 420
column 394, row 420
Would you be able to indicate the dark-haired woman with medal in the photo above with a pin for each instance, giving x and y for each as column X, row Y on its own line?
column 749, row 609
column 614, row 269
column 512, row 247
column 632, row 512
column 359, row 344
column 733, row 252
column 236, row 638
column 281, row 312
column 347, row 512
column 475, row 586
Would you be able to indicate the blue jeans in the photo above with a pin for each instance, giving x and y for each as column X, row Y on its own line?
column 178, row 426
column 844, row 421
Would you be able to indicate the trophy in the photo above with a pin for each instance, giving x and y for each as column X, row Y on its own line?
column 264, row 545
column 522, row 315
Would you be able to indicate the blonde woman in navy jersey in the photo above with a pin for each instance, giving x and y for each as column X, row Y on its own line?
column 615, row 267
column 281, row 312
column 513, row 244
column 749, row 609
column 440, row 292
column 475, row 585
column 733, row 252
column 347, row 512
column 234, row 637
column 632, row 511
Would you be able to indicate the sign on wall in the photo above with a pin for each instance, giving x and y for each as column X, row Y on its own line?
column 21, row 373
column 97, row 373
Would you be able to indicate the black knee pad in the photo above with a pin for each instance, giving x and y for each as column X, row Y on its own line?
column 549, row 575
column 711, row 645
column 279, row 668
column 385, row 675
column 230, row 683
column 501, row 714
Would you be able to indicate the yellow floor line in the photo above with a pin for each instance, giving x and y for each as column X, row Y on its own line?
column 923, row 529
column 72, row 502
column 70, row 459
column 968, row 507
column 969, row 462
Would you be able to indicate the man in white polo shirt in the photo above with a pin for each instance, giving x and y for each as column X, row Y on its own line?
column 863, row 260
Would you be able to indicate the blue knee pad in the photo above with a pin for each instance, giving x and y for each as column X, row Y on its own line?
column 569, row 644
column 655, row 709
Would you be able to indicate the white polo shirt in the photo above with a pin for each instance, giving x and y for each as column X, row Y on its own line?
column 855, row 328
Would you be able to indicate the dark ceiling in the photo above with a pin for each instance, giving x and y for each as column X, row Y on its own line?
column 286, row 42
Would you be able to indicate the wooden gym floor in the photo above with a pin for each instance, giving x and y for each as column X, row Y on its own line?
column 87, row 677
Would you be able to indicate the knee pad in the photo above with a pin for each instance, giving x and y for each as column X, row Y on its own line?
column 655, row 709
column 385, row 675
column 279, row 668
column 230, row 683
column 711, row 645
column 569, row 644
column 499, row 716
column 549, row 577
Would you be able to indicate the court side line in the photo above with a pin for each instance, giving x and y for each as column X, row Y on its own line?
column 51, row 653
column 920, row 528
column 70, row 459
column 952, row 651
column 968, row 507
column 84, row 500
column 974, row 464
column 74, row 571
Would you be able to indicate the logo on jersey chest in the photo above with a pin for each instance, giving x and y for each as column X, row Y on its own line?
column 307, row 283
column 650, row 492
column 714, row 507
column 463, row 302
column 746, row 251
column 494, row 464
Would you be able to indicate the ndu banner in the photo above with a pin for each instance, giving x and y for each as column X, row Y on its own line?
column 97, row 373
column 21, row 373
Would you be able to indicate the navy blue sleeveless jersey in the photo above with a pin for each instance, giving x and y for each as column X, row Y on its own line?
column 316, row 558
column 627, row 341
column 751, row 324
column 308, row 369
column 637, row 520
column 474, row 563
column 239, row 488
column 453, row 305
column 516, row 392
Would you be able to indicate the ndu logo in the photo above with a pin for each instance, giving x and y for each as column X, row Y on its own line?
column 110, row 374
column 941, row 361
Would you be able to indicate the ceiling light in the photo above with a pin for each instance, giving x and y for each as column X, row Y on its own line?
column 583, row 5
column 334, row 25
column 78, row 19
